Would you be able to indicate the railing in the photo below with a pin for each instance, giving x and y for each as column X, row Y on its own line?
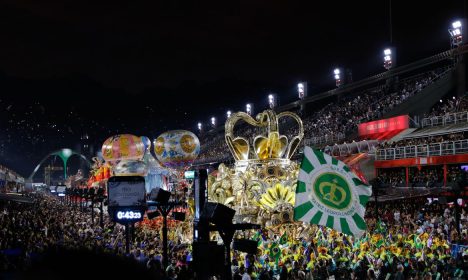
column 451, row 118
column 436, row 149
column 323, row 140
column 347, row 149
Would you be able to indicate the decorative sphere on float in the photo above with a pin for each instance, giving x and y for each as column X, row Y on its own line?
column 177, row 148
column 123, row 147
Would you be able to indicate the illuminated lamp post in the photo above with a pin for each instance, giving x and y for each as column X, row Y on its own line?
column 249, row 109
column 337, row 75
column 388, row 61
column 272, row 101
column 302, row 90
column 213, row 122
column 456, row 34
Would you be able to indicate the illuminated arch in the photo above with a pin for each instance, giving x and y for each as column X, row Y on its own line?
column 64, row 154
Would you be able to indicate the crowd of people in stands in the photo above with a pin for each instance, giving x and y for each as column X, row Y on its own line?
column 448, row 106
column 424, row 177
column 213, row 149
column 346, row 114
column 10, row 180
column 408, row 239
column 424, row 140
column 5, row 170
column 337, row 119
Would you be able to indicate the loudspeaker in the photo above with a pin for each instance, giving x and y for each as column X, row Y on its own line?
column 217, row 213
column 152, row 215
column 178, row 216
column 245, row 245
column 159, row 195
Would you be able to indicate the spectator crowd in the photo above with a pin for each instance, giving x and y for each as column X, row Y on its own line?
column 423, row 177
column 333, row 122
column 29, row 230
column 406, row 239
column 427, row 140
column 449, row 106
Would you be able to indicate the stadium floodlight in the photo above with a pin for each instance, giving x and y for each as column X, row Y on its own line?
column 302, row 90
column 271, row 101
column 213, row 121
column 337, row 72
column 388, row 63
column 248, row 108
column 228, row 113
column 456, row 34
column 199, row 126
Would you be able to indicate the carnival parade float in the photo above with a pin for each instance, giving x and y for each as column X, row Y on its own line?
column 310, row 210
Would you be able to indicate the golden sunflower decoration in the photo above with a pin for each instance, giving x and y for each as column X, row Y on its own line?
column 276, row 196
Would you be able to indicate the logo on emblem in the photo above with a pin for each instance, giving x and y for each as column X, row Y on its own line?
column 332, row 190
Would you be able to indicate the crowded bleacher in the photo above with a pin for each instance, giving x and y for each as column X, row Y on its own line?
column 411, row 238
column 336, row 121
column 10, row 180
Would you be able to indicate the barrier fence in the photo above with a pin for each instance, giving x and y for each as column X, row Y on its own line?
column 435, row 149
column 447, row 119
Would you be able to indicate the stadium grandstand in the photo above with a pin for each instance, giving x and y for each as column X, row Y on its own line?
column 10, row 180
column 405, row 128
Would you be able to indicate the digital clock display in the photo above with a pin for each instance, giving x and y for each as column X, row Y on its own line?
column 128, row 215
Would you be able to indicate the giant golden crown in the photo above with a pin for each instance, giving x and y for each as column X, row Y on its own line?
column 273, row 145
column 261, row 184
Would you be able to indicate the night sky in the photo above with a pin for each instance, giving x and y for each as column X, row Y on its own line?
column 70, row 67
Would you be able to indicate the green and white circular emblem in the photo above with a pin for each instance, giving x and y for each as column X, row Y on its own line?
column 328, row 193
column 332, row 190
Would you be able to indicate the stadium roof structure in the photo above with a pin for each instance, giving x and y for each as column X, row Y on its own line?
column 447, row 55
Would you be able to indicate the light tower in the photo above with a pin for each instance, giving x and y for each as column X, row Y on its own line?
column 302, row 90
column 272, row 101
column 388, row 58
column 249, row 109
column 337, row 76
column 456, row 34
column 213, row 122
column 302, row 93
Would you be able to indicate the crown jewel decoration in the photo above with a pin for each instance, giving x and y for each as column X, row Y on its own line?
column 273, row 145
column 260, row 184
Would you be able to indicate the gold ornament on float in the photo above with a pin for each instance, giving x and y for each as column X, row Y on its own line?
column 261, row 184
column 270, row 146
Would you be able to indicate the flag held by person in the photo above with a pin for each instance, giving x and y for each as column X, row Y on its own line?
column 328, row 193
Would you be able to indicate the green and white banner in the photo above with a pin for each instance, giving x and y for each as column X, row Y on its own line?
column 328, row 193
